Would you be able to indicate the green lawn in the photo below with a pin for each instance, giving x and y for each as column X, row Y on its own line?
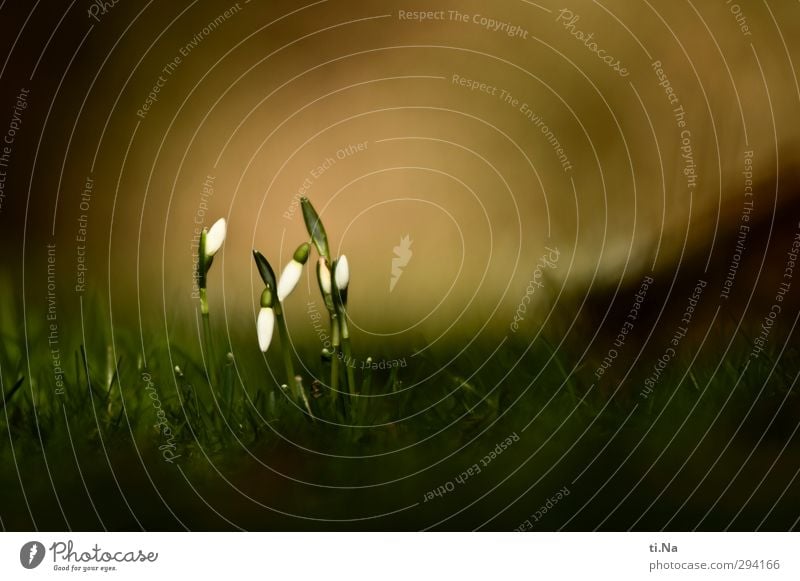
column 132, row 443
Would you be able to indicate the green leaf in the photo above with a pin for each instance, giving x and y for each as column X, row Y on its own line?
column 315, row 228
column 265, row 270
column 14, row 389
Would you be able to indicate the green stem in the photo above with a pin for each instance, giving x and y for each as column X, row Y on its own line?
column 366, row 388
column 295, row 385
column 208, row 339
column 287, row 354
column 348, row 354
column 335, row 346
column 336, row 342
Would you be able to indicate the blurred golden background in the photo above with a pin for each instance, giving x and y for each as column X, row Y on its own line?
column 484, row 134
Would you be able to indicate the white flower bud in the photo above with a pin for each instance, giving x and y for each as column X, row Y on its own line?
column 324, row 274
column 289, row 279
column 215, row 237
column 264, row 327
column 342, row 273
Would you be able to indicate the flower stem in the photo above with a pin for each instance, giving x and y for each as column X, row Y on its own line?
column 294, row 382
column 336, row 346
column 366, row 389
column 208, row 338
column 287, row 353
column 348, row 354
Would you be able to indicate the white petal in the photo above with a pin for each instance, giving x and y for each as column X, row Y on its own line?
column 289, row 279
column 342, row 273
column 215, row 237
column 264, row 327
column 324, row 276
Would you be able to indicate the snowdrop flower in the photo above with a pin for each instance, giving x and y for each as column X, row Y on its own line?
column 342, row 274
column 291, row 274
column 265, row 324
column 210, row 242
column 215, row 237
column 324, row 276
column 264, row 327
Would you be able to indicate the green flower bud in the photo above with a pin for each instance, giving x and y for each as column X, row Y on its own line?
column 301, row 254
column 266, row 298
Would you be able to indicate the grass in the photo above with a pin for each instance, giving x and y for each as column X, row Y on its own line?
column 240, row 453
column 200, row 430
